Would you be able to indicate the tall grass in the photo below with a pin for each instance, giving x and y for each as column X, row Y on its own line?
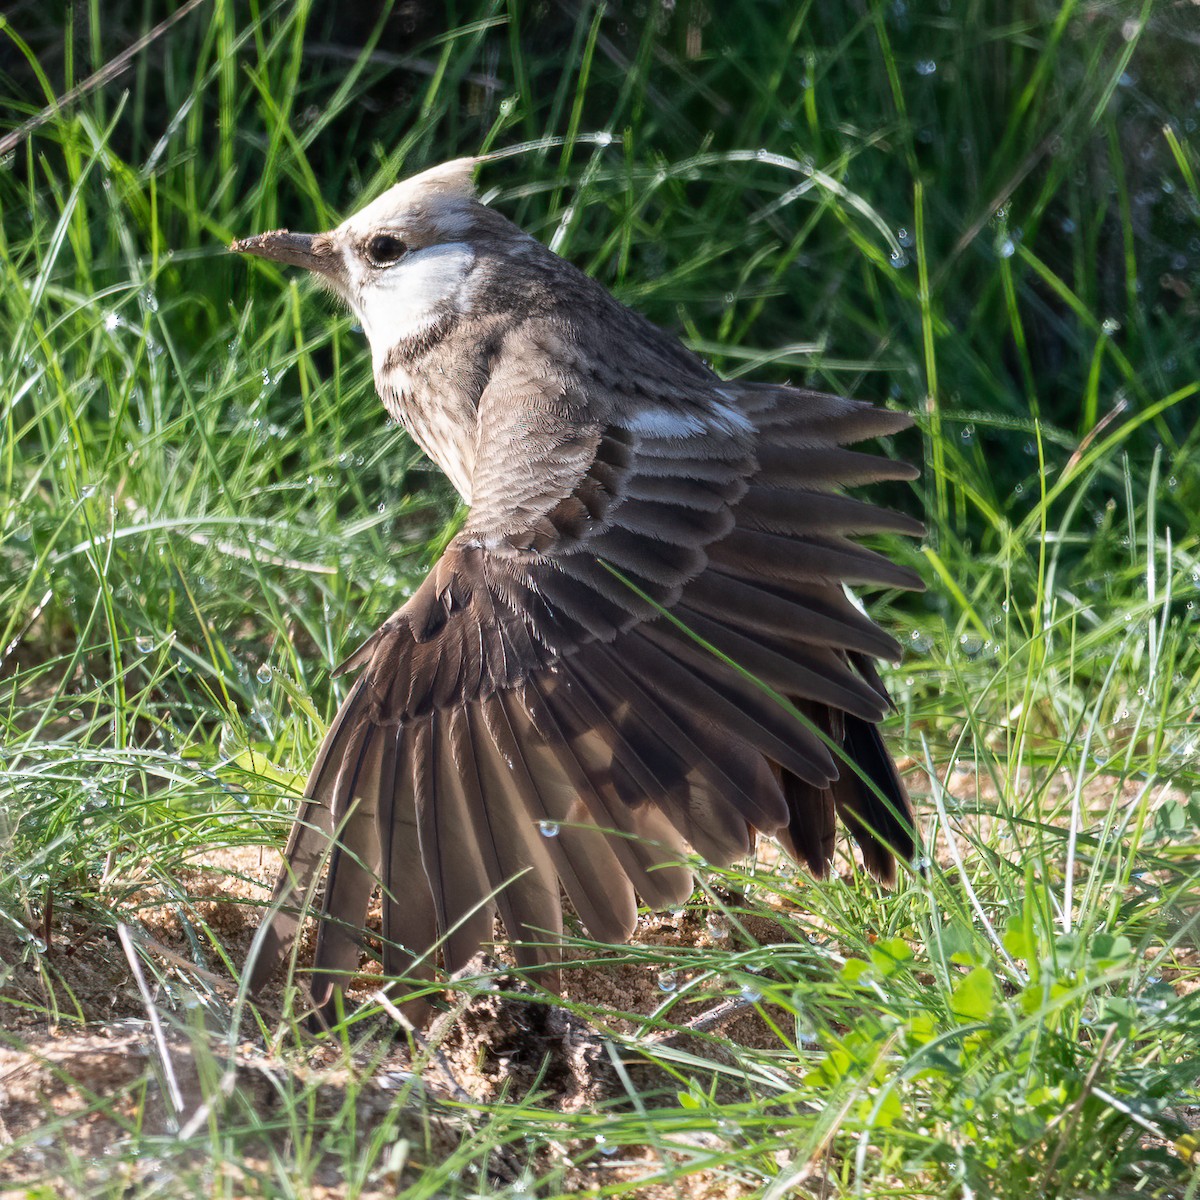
column 989, row 217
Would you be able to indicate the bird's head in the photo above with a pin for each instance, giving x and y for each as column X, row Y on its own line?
column 403, row 262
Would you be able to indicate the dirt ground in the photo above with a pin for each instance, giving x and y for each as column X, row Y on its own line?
column 86, row 1077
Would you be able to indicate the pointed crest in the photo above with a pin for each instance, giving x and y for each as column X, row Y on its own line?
column 455, row 177
column 447, row 186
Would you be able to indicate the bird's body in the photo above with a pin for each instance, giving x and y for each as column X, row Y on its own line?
column 637, row 527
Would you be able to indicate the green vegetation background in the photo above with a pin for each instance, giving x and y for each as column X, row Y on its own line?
column 986, row 214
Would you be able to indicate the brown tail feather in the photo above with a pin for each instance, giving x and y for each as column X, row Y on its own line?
column 882, row 824
column 353, row 864
column 590, row 872
column 811, row 832
column 640, row 861
column 454, row 869
column 409, row 918
column 308, row 846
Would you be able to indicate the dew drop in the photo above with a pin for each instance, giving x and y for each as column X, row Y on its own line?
column 971, row 644
column 264, row 674
column 926, row 66
column 667, row 981
column 717, row 926
column 548, row 829
column 143, row 644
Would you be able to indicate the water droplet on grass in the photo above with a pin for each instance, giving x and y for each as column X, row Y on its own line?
column 143, row 644
column 971, row 644
column 548, row 828
column 667, row 981
column 264, row 674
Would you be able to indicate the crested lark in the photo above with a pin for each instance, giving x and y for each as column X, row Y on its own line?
column 547, row 710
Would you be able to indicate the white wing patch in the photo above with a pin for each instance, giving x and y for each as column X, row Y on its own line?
column 665, row 423
column 731, row 415
column 717, row 417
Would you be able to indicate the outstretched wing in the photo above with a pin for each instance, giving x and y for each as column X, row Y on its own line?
column 582, row 687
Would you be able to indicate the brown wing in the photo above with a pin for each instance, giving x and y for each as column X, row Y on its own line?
column 531, row 718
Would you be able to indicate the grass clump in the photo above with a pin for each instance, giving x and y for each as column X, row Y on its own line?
column 990, row 219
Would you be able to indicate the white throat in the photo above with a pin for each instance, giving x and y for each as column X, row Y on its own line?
column 400, row 302
column 396, row 305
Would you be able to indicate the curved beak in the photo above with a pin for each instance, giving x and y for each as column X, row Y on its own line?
column 312, row 251
column 295, row 249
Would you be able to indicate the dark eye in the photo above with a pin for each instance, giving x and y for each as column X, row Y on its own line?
column 383, row 249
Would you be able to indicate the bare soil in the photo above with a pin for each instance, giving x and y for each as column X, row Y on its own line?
column 82, row 1067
